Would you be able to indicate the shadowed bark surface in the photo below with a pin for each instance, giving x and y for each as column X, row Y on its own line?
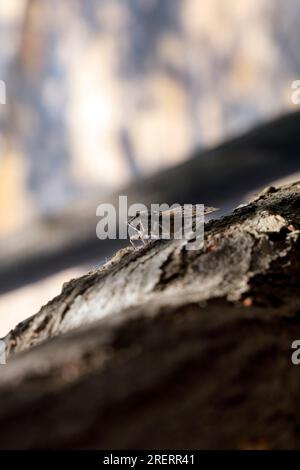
column 168, row 348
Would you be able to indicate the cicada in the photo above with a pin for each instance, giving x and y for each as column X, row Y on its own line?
column 167, row 224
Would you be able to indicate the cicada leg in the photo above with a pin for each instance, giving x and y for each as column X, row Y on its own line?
column 143, row 234
column 132, row 243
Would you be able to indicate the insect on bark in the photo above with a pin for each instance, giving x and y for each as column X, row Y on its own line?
column 174, row 223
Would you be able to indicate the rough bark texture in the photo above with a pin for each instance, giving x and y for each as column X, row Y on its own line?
column 222, row 176
column 168, row 348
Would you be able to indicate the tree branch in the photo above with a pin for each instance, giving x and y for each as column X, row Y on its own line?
column 168, row 348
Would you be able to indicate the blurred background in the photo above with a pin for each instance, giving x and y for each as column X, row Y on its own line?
column 156, row 99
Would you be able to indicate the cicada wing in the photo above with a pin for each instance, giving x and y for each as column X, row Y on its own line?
column 209, row 210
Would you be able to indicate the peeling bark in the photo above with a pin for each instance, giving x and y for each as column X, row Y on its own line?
column 168, row 348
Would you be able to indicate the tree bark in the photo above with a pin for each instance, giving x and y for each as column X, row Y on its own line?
column 168, row 348
column 264, row 154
